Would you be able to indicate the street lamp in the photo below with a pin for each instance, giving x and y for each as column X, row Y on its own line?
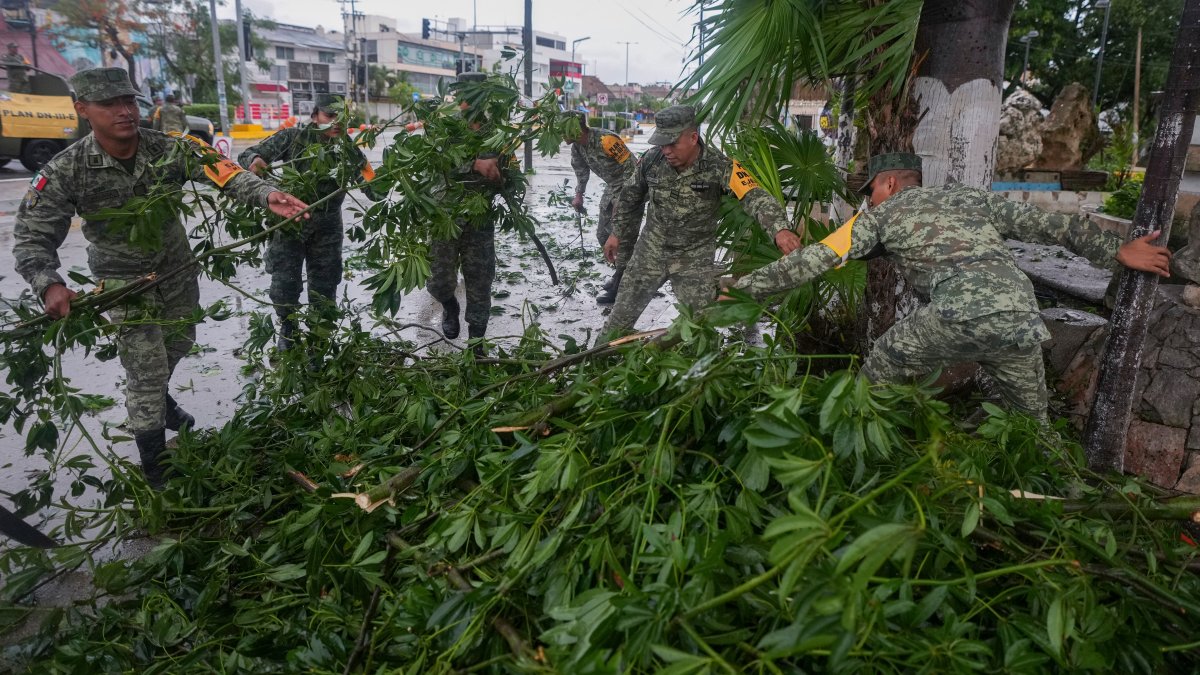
column 1027, row 38
column 573, row 43
column 1107, row 5
column 627, row 72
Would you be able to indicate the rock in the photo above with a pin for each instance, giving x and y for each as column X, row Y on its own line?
column 1177, row 358
column 1189, row 481
column 1020, row 139
column 1070, row 135
column 1193, row 439
column 1191, row 296
column 1170, row 395
column 1155, row 452
column 1058, row 269
column 1186, row 261
column 1069, row 330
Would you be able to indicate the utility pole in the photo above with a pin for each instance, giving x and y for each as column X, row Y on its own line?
column 241, row 37
column 1107, row 5
column 1027, row 39
column 573, row 44
column 222, row 101
column 1137, row 94
column 528, row 44
column 627, row 92
column 32, row 31
column 1107, row 427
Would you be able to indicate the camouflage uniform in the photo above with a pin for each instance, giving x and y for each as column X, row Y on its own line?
column 18, row 72
column 84, row 179
column 949, row 244
column 170, row 117
column 474, row 252
column 605, row 154
column 678, row 241
column 318, row 245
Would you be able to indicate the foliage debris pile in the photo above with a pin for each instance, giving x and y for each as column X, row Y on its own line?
column 688, row 504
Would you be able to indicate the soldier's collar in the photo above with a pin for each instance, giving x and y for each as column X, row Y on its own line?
column 97, row 157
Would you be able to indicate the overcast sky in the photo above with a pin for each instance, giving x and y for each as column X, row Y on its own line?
column 662, row 29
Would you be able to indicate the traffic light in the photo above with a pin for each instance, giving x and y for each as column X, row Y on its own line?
column 424, row 29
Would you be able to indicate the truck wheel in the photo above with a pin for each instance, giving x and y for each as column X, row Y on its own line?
column 37, row 153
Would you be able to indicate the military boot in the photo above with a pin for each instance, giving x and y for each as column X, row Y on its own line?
column 177, row 417
column 476, row 332
column 450, row 319
column 609, row 296
column 151, row 446
column 285, row 339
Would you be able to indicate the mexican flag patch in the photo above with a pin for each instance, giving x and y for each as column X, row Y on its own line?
column 39, row 181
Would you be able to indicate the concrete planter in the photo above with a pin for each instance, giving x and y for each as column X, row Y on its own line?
column 1112, row 223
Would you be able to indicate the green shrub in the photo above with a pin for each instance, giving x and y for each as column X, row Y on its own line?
column 1123, row 202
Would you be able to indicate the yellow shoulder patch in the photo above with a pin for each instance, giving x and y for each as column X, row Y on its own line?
column 840, row 239
column 614, row 147
column 740, row 180
column 220, row 172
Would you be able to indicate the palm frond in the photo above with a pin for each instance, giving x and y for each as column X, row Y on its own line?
column 755, row 51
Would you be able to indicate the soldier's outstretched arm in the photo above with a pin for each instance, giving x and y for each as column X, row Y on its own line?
column 269, row 149
column 761, row 206
column 582, row 171
column 855, row 238
column 203, row 164
column 1077, row 233
column 43, row 220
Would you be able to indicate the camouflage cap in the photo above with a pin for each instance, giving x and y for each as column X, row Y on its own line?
column 13, row 45
column 891, row 161
column 101, row 84
column 671, row 122
column 329, row 103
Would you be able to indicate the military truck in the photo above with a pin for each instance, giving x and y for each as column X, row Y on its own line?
column 35, row 127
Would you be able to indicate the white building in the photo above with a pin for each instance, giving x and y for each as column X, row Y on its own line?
column 305, row 61
column 425, row 63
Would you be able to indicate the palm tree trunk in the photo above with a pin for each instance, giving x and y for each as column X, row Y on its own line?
column 960, row 51
column 958, row 88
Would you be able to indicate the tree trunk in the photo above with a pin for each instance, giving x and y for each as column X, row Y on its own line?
column 1108, row 422
column 960, row 52
column 844, row 155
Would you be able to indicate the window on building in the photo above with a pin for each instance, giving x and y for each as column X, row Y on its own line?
column 560, row 45
column 544, row 42
column 804, row 122
column 326, row 57
column 288, row 53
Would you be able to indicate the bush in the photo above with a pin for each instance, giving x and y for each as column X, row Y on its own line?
column 209, row 111
column 1123, row 202
column 603, row 122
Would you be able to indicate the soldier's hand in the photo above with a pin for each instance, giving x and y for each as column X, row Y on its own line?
column 57, row 300
column 489, row 168
column 1144, row 256
column 787, row 241
column 577, row 203
column 284, row 205
column 610, row 248
column 258, row 167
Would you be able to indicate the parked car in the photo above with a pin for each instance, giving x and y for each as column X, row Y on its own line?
column 197, row 126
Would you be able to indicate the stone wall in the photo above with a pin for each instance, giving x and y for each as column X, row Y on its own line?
column 1164, row 438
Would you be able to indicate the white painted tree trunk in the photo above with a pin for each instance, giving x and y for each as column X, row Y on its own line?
column 958, row 132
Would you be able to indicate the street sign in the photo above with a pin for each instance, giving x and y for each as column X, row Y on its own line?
column 568, row 86
column 224, row 145
column 601, row 99
column 416, row 96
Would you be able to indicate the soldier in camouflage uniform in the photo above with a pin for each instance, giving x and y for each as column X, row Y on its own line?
column 114, row 163
column 949, row 243
column 603, row 152
column 318, row 244
column 169, row 117
column 474, row 249
column 17, row 68
column 681, row 181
